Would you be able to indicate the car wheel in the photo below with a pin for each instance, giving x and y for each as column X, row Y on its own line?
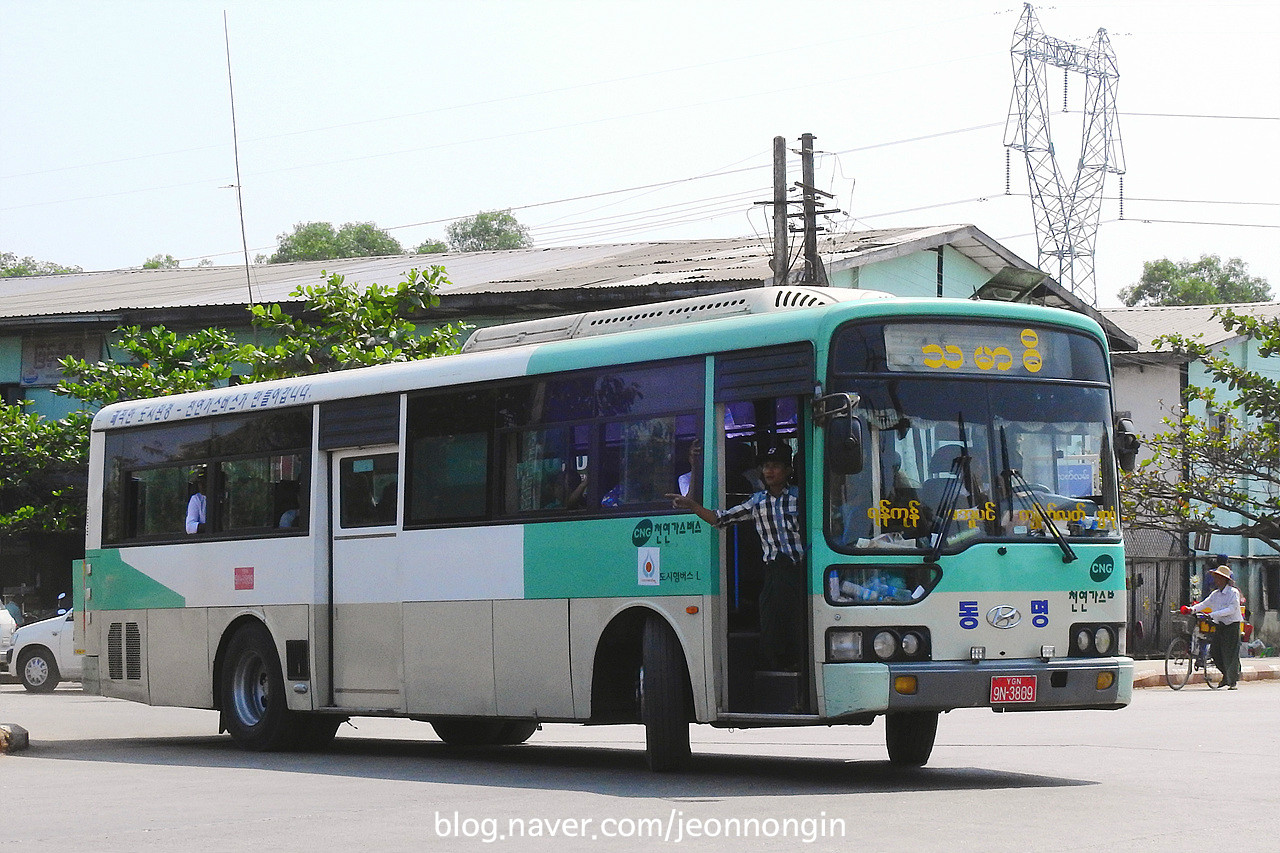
column 38, row 670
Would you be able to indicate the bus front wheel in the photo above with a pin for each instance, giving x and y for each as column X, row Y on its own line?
column 910, row 737
column 664, row 698
column 252, row 693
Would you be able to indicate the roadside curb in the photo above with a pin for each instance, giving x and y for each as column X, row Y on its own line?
column 13, row 738
column 1248, row 672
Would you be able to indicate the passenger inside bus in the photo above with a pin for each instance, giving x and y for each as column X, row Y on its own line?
column 197, row 508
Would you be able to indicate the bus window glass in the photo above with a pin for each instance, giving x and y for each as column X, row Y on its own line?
column 641, row 459
column 367, row 488
column 261, row 493
column 546, row 469
column 976, row 456
column 448, row 447
column 158, row 498
column 448, row 476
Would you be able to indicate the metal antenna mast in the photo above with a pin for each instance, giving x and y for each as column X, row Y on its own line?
column 1066, row 211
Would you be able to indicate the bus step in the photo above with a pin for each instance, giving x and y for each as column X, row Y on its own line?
column 777, row 692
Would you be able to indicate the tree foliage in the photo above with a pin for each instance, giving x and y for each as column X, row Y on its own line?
column 343, row 327
column 44, row 462
column 1220, row 473
column 1204, row 282
column 160, row 262
column 318, row 241
column 11, row 266
column 430, row 246
column 494, row 229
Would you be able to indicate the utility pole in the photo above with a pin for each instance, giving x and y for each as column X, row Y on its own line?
column 814, row 272
column 780, row 249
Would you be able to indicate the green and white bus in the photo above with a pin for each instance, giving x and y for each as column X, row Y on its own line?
column 486, row 541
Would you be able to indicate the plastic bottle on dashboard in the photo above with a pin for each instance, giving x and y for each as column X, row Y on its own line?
column 858, row 592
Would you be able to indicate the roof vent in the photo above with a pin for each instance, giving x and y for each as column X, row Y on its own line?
column 761, row 300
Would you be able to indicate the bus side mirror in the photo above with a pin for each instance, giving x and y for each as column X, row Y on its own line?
column 1127, row 444
column 844, row 445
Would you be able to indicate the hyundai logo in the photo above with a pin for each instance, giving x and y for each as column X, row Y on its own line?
column 1003, row 616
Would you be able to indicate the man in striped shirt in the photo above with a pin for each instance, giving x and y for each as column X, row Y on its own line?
column 775, row 511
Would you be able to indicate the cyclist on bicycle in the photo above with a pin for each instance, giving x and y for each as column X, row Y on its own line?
column 1223, row 607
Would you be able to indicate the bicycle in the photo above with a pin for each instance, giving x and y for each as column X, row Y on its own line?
column 1190, row 652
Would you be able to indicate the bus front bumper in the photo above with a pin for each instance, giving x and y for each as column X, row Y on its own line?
column 1006, row 685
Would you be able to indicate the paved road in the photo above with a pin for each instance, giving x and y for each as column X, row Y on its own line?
column 105, row 775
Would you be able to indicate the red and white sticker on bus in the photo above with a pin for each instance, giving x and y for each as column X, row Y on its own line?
column 1012, row 689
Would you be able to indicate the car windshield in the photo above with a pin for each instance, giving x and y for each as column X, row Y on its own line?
column 951, row 462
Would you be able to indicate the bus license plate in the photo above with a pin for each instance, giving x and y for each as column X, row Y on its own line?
column 1010, row 689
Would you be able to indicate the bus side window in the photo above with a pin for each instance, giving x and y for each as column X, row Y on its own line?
column 367, row 490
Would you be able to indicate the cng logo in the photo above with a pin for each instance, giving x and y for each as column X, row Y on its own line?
column 1102, row 568
column 642, row 533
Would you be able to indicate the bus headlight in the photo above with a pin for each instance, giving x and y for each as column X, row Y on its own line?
column 912, row 644
column 1083, row 640
column 885, row 644
column 844, row 645
column 1103, row 640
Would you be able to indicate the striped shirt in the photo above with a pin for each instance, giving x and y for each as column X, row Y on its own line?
column 777, row 520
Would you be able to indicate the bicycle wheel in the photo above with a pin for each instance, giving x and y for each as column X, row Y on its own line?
column 1212, row 675
column 1177, row 663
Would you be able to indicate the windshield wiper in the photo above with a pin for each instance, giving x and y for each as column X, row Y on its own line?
column 1013, row 479
column 942, row 517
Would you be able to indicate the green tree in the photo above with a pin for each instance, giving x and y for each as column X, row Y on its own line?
column 1220, row 473
column 494, row 229
column 430, row 246
column 43, row 472
column 44, row 462
column 318, row 241
column 11, row 266
column 1204, row 282
column 344, row 327
column 160, row 262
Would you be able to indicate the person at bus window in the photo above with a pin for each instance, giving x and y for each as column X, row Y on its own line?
column 1223, row 607
column 900, row 511
column 690, row 482
column 775, row 512
column 973, row 503
column 197, row 509
column 289, row 517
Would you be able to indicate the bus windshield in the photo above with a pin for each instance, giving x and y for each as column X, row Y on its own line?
column 973, row 460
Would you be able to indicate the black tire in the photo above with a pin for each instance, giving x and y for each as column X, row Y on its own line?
column 38, row 670
column 910, row 736
column 252, row 694
column 315, row 732
column 1212, row 675
column 1177, row 663
column 516, row 732
column 665, row 698
column 481, row 731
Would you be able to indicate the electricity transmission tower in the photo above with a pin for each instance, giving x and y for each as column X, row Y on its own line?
column 1066, row 209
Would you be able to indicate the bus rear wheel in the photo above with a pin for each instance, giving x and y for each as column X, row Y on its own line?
column 664, row 698
column 910, row 737
column 252, row 693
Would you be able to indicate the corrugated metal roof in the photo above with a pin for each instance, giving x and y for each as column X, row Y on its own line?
column 1146, row 324
column 471, row 273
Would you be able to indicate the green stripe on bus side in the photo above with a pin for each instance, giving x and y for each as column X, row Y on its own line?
column 116, row 585
column 620, row 557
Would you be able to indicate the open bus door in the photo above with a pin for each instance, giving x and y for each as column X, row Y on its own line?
column 761, row 398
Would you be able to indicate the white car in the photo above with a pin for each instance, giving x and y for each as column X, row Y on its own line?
column 44, row 653
column 7, row 629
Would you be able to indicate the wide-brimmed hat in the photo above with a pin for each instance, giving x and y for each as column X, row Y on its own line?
column 1223, row 572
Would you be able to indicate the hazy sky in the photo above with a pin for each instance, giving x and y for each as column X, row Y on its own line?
column 116, row 132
